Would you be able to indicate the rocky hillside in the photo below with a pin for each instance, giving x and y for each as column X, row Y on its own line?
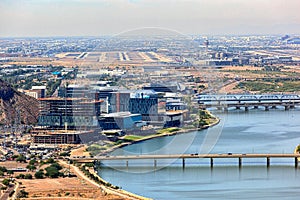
column 14, row 103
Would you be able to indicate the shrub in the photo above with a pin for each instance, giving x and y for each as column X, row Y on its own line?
column 31, row 167
column 3, row 169
column 21, row 158
column 21, row 176
column 6, row 182
column 32, row 162
column 11, row 193
column 50, row 160
column 28, row 176
column 39, row 175
column 52, row 172
column 22, row 194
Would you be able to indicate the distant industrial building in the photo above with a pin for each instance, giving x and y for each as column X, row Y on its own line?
column 240, row 61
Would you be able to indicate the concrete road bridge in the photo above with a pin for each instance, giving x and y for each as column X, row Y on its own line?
column 212, row 157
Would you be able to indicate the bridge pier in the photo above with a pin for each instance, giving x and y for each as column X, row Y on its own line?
column 183, row 163
column 238, row 108
column 273, row 107
column 155, row 163
column 286, row 107
column 266, row 108
column 225, row 109
column 268, row 162
column 296, row 162
column 126, row 163
column 246, row 109
column 255, row 107
column 292, row 106
column 240, row 162
column 211, row 162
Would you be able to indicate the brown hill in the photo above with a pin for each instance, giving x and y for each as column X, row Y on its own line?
column 14, row 104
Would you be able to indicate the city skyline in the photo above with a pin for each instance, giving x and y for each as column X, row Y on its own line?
column 45, row 18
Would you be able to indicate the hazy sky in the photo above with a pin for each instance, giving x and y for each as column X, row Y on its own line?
column 103, row 17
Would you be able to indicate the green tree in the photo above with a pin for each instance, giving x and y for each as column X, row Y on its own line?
column 28, row 176
column 31, row 167
column 10, row 172
column 3, row 169
column 32, row 162
column 21, row 158
column 52, row 172
column 50, row 160
column 21, row 176
column 39, row 174
column 6, row 181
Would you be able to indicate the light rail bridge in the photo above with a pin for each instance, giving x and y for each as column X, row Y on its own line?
column 238, row 101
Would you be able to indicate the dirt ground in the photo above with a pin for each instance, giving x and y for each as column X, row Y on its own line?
column 63, row 188
column 81, row 151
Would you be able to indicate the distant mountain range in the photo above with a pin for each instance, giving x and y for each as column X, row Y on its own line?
column 16, row 107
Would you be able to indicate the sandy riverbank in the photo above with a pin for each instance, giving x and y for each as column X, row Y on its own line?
column 105, row 190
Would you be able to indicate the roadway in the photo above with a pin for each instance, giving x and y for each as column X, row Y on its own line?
column 183, row 156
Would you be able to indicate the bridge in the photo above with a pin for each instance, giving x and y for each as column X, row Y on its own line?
column 212, row 157
column 267, row 101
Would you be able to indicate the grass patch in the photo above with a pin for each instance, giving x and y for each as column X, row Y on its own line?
column 168, row 130
column 132, row 137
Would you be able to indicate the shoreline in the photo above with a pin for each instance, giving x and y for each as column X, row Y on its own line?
column 112, row 188
column 102, row 186
column 181, row 131
column 153, row 136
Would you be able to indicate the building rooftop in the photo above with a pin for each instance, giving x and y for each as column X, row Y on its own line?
column 120, row 114
column 42, row 87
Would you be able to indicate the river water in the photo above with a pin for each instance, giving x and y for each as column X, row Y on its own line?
column 257, row 131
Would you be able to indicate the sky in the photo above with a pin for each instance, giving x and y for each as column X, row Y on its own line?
column 20, row 18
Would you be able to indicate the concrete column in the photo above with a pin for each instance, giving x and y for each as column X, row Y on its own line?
column 268, row 162
column 183, row 163
column 266, row 108
column 286, row 107
column 240, row 162
column 211, row 162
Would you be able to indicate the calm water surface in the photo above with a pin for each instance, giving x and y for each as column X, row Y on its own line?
column 276, row 131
